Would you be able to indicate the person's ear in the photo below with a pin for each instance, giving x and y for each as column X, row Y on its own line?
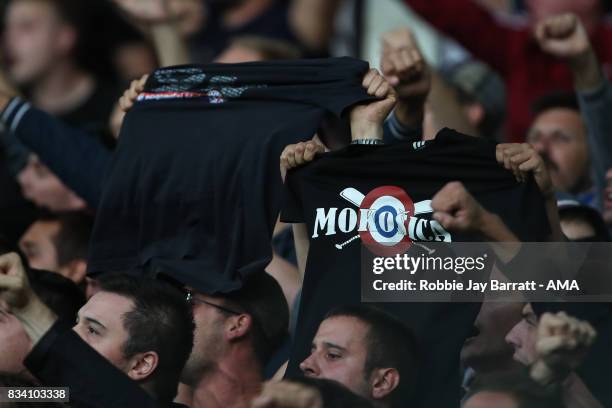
column 142, row 365
column 475, row 113
column 66, row 39
column 383, row 382
column 75, row 270
column 238, row 326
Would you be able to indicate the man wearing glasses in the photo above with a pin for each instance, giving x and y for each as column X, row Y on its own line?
column 235, row 336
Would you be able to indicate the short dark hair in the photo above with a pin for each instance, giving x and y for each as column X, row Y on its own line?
column 72, row 239
column 161, row 321
column 262, row 297
column 555, row 100
column 390, row 344
column 526, row 392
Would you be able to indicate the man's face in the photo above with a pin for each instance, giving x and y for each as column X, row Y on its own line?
column 522, row 337
column 38, row 245
column 607, row 199
column 32, row 41
column 493, row 322
column 559, row 136
column 339, row 352
column 209, row 339
column 100, row 324
column 487, row 399
column 14, row 343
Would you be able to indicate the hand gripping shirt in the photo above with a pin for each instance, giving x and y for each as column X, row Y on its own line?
column 194, row 187
column 330, row 193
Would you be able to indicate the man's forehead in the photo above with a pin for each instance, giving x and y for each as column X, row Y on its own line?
column 342, row 330
column 39, row 12
column 37, row 7
column 107, row 307
column 558, row 118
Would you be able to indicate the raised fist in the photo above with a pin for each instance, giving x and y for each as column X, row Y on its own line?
column 562, row 344
column 367, row 119
column 563, row 36
column 404, row 66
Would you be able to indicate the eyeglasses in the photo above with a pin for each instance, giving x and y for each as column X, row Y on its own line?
column 191, row 298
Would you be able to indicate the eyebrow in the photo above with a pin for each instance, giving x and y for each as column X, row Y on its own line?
column 94, row 321
column 332, row 345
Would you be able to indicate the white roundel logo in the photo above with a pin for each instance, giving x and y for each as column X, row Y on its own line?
column 387, row 209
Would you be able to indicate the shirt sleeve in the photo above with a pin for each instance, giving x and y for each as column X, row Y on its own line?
column 466, row 21
column 62, row 359
column 394, row 131
column 595, row 107
column 54, row 142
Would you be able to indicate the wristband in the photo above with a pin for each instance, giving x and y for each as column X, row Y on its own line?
column 375, row 142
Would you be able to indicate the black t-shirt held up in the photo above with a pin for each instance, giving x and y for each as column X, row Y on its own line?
column 329, row 194
column 194, row 187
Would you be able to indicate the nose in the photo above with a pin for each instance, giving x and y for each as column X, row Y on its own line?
column 309, row 367
column 512, row 338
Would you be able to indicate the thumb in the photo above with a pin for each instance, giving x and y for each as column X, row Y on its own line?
column 10, row 264
column 447, row 220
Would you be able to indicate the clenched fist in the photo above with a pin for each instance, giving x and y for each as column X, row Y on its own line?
column 562, row 344
column 565, row 37
column 15, row 288
column 405, row 68
column 456, row 209
column 367, row 119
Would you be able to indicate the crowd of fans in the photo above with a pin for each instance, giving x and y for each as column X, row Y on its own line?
column 530, row 76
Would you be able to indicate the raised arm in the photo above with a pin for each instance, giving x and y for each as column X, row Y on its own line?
column 293, row 156
column 457, row 210
column 565, row 37
column 75, row 156
column 562, row 343
column 367, row 119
